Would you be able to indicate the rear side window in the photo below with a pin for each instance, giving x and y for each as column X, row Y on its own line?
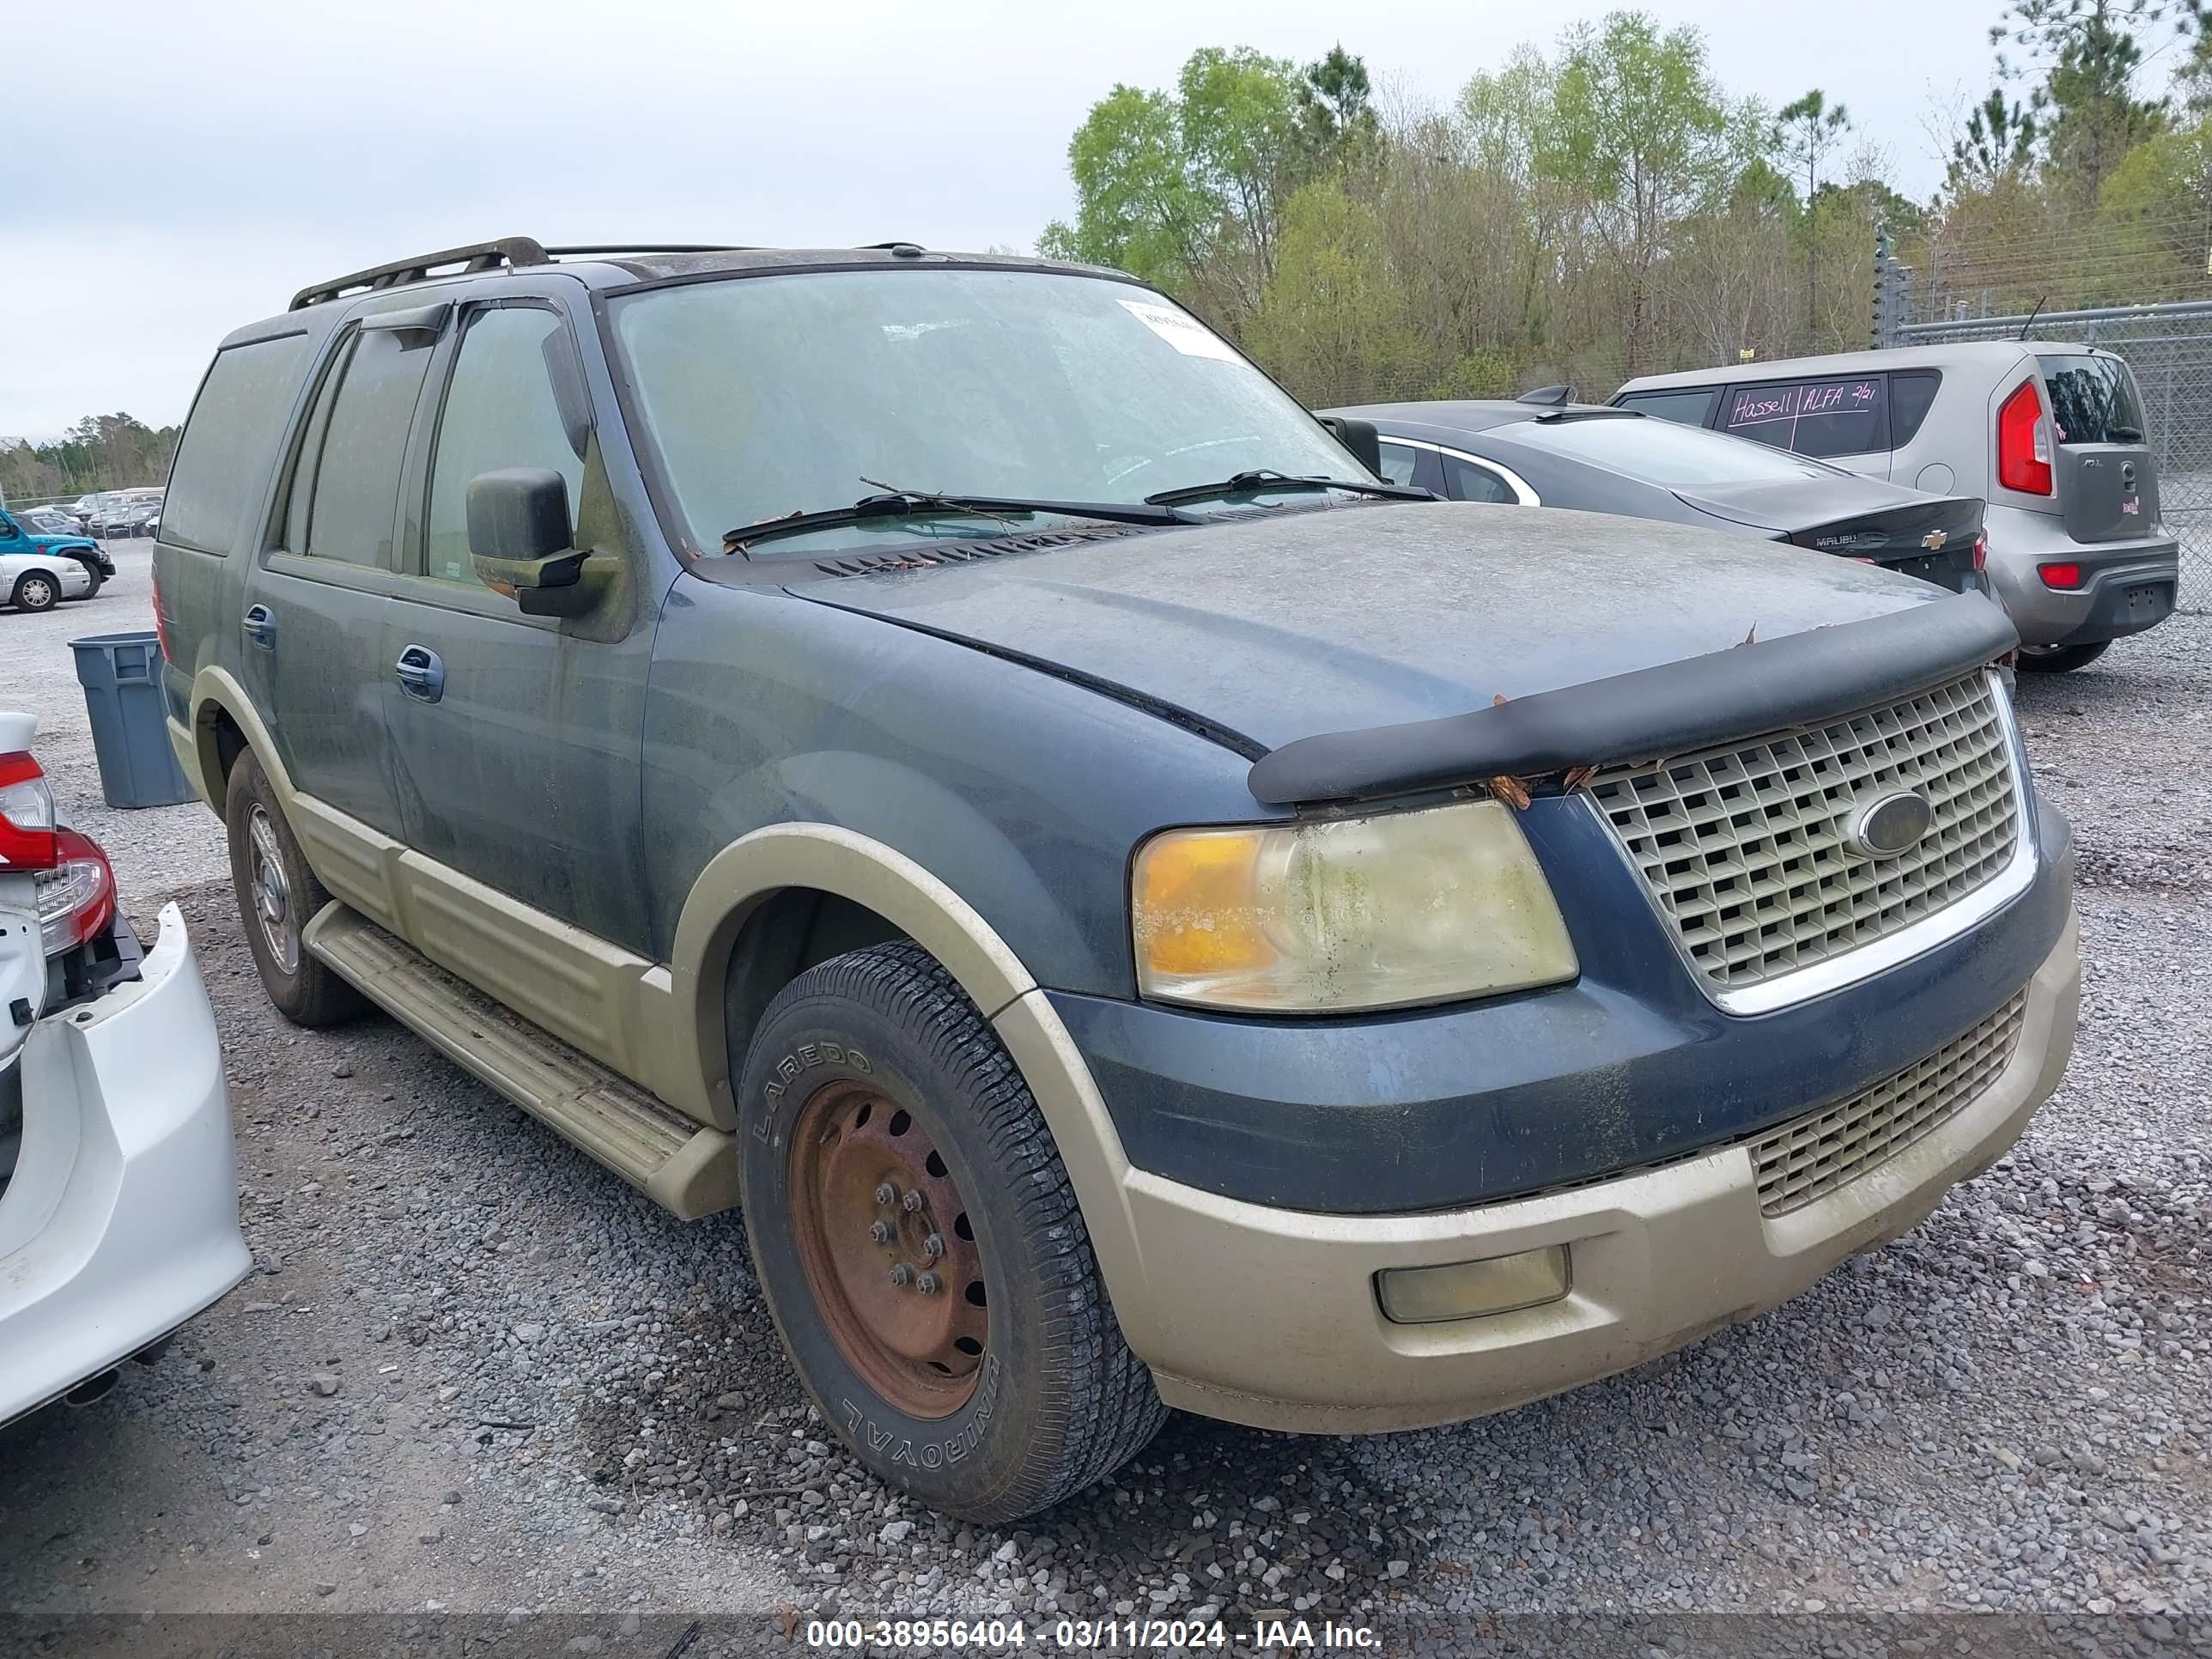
column 363, row 418
column 1691, row 407
column 1911, row 395
column 230, row 438
column 1464, row 481
column 1813, row 417
column 2092, row 399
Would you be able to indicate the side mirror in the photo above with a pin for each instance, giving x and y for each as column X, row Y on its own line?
column 519, row 539
column 8, row 530
column 1360, row 437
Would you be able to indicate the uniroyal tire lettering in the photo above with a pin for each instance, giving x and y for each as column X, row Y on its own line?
column 934, row 1454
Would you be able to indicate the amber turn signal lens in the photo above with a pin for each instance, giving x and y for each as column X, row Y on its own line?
column 1196, row 905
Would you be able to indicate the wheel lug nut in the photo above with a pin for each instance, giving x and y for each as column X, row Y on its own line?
column 912, row 1200
column 933, row 1246
column 927, row 1284
column 886, row 1194
column 881, row 1233
column 900, row 1275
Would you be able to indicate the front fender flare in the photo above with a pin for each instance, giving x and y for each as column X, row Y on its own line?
column 834, row 860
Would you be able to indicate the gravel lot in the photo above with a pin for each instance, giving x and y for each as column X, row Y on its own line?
column 474, row 1370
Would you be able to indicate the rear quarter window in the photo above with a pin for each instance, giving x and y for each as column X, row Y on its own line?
column 230, row 442
column 1690, row 407
column 1839, row 416
column 1911, row 395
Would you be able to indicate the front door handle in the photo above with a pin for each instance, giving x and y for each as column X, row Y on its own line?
column 421, row 675
column 260, row 625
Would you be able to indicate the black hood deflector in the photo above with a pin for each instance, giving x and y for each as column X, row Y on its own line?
column 1767, row 685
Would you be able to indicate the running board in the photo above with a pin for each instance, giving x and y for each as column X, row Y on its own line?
column 685, row 1168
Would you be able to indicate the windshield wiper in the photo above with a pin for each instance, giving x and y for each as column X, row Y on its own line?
column 1260, row 478
column 916, row 503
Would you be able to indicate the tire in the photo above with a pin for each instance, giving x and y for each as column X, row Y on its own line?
column 278, row 897
column 99, row 581
column 1013, row 1387
column 36, row 591
column 2060, row 659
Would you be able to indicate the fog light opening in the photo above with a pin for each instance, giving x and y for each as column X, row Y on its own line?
column 1473, row 1290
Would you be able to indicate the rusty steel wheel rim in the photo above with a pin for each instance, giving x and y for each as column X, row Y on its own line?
column 888, row 1249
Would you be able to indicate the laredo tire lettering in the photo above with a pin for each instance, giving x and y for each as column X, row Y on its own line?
column 807, row 1056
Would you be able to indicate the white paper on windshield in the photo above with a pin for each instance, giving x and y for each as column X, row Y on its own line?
column 1186, row 334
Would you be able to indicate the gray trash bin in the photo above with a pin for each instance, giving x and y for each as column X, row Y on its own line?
column 121, row 674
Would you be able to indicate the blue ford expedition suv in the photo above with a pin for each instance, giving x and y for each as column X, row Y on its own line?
column 942, row 752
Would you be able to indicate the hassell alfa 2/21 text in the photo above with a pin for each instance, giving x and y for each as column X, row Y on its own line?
column 1140, row 911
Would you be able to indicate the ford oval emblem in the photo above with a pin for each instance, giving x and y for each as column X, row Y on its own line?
column 1887, row 825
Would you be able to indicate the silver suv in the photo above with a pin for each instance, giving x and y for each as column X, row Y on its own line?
column 2051, row 435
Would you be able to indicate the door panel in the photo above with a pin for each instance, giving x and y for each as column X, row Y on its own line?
column 311, row 615
column 524, row 769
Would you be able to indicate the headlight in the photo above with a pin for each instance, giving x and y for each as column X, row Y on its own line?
column 1342, row 913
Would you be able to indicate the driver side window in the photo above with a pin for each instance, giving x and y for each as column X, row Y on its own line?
column 500, row 411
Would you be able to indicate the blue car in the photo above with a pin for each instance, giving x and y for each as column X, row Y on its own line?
column 20, row 536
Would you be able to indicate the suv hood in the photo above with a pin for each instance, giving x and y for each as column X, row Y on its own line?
column 1297, row 622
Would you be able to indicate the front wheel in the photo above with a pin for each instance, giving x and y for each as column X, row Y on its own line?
column 2060, row 659
column 36, row 590
column 99, row 581
column 921, row 1248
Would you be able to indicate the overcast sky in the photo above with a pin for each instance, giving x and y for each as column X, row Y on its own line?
column 170, row 171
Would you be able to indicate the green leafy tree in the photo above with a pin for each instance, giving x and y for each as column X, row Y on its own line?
column 2082, row 59
column 1336, row 109
column 1639, row 126
column 1332, row 322
column 1186, row 189
column 1806, row 130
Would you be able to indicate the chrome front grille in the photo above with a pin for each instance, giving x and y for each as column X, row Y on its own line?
column 1815, row 1154
column 1744, row 849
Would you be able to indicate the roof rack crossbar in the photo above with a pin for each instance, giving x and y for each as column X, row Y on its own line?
column 507, row 251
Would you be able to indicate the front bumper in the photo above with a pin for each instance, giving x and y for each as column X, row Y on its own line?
column 121, row 1220
column 1283, row 1330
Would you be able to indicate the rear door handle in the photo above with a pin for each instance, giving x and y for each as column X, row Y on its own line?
column 260, row 625
column 421, row 675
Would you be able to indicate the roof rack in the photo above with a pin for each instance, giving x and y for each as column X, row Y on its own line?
column 507, row 251
column 653, row 247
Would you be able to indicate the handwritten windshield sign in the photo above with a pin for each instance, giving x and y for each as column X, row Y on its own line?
column 1812, row 417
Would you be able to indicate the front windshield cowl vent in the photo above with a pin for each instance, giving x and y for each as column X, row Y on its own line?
column 923, row 555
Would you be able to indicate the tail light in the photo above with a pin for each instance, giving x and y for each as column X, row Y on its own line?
column 2024, row 443
column 1981, row 551
column 2065, row 577
column 160, row 618
column 76, row 897
column 27, row 815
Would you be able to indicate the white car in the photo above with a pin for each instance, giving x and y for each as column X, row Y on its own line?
column 119, row 1190
column 39, row 581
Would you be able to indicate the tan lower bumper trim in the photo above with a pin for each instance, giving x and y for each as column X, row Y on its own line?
column 1268, row 1317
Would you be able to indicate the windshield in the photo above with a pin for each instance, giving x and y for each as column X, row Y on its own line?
column 771, row 395
column 1662, row 453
